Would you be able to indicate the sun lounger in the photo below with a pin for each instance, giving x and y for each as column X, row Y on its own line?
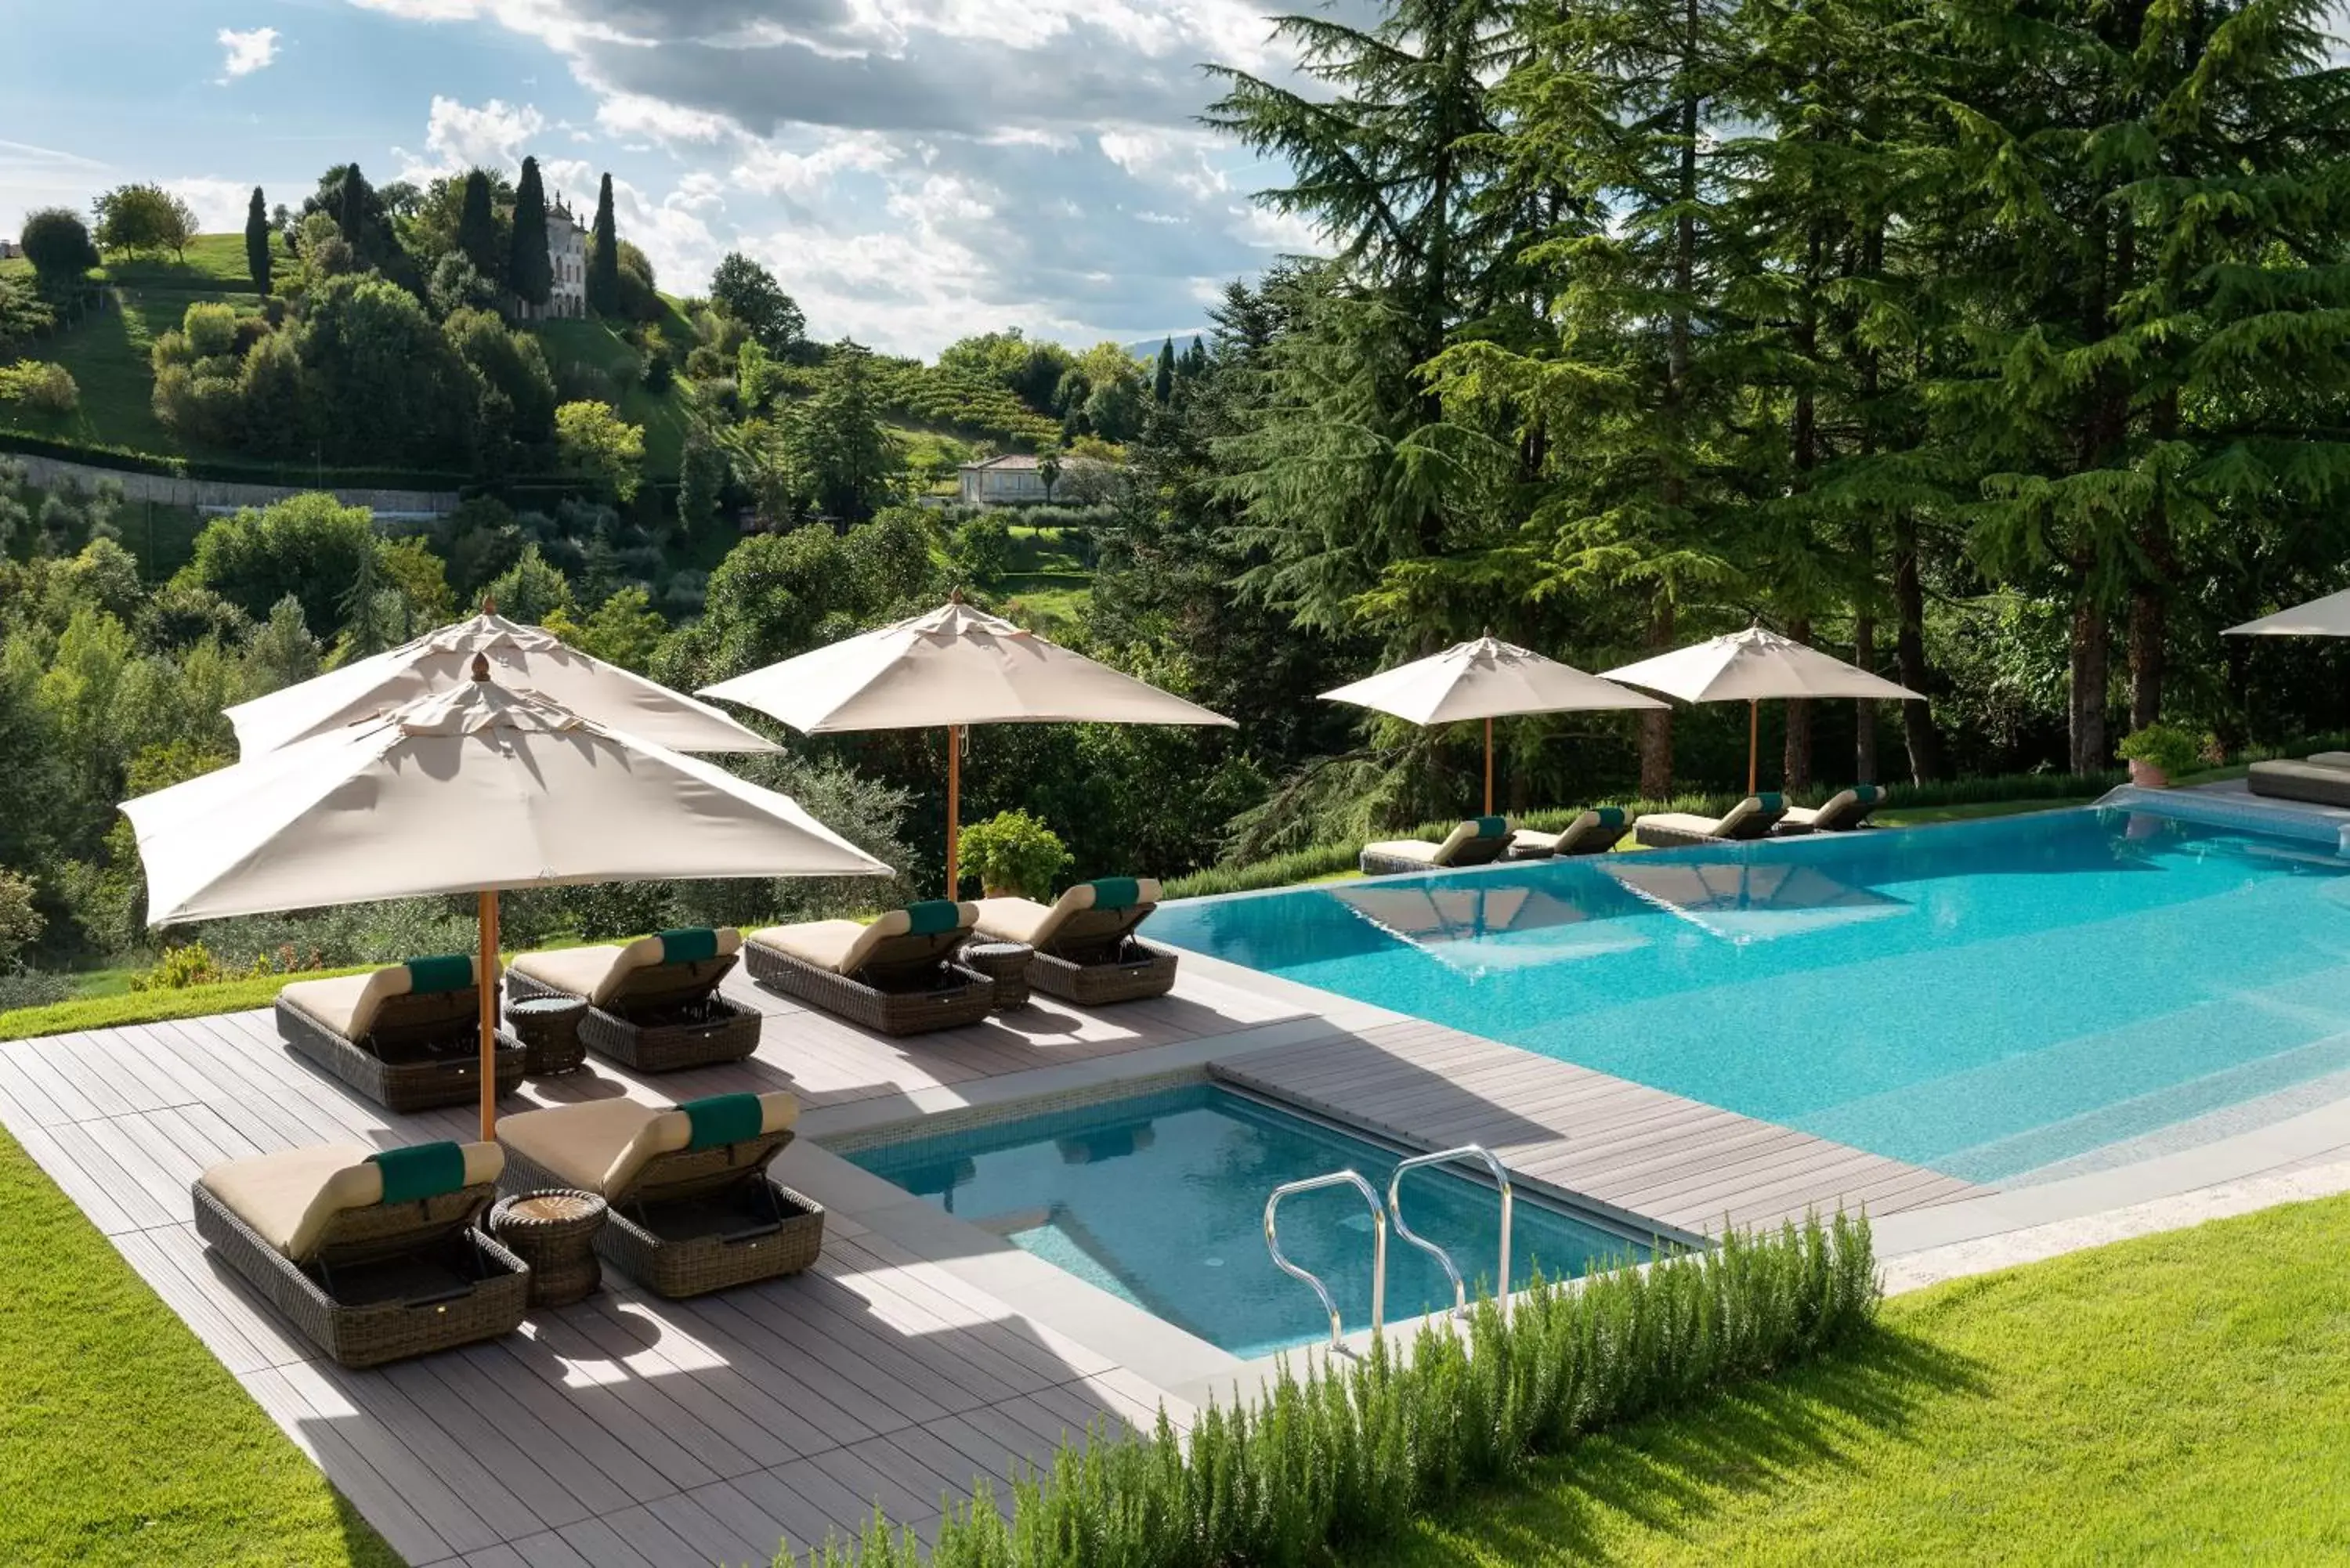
column 1840, row 813
column 896, row 975
column 1594, row 832
column 2329, row 759
column 693, row 1207
column 408, row 1037
column 1480, row 841
column 1750, row 818
column 372, row 1253
column 653, row 1003
column 1086, row 951
column 2312, row 782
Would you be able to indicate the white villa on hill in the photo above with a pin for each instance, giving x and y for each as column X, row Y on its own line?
column 566, row 258
column 1011, row 480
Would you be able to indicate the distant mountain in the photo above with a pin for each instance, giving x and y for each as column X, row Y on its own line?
column 1149, row 348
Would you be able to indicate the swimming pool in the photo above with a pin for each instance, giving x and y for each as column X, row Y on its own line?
column 1984, row 997
column 1158, row 1199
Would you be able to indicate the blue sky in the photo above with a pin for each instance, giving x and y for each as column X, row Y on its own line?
column 912, row 169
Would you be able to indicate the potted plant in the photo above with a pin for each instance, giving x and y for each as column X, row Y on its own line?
column 2159, row 753
column 1013, row 854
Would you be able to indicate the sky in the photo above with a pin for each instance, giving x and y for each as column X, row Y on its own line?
column 912, row 171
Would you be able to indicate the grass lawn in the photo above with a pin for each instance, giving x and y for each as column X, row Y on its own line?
column 1924, row 815
column 663, row 414
column 110, row 1008
column 2181, row 1396
column 122, row 1439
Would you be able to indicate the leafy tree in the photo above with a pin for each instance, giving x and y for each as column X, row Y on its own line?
column 625, row 630
column 604, row 255
column 456, row 286
column 831, row 451
column 701, row 475
column 58, row 245
column 598, row 444
column 24, row 315
column 530, row 271
column 308, row 549
column 282, row 652
column 258, row 260
column 531, row 590
column 387, row 381
column 141, row 218
column 361, row 222
column 746, row 292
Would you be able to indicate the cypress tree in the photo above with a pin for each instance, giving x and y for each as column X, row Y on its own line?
column 1163, row 388
column 603, row 257
column 257, row 243
column 477, row 225
column 530, row 273
column 351, row 212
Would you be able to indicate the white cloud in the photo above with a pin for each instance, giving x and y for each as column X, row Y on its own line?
column 247, row 52
column 458, row 136
column 219, row 204
column 771, row 170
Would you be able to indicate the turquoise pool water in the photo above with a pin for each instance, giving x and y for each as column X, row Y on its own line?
column 1983, row 998
column 1159, row 1199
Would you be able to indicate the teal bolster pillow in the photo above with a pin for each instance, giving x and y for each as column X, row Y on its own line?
column 720, row 1120
column 1117, row 892
column 420, row 1171
column 1771, row 801
column 1492, row 826
column 446, row 972
column 932, row 916
column 1865, row 793
column 691, row 945
column 1611, row 815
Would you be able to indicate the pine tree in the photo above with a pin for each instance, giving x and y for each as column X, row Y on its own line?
column 603, row 257
column 1163, row 388
column 1194, row 360
column 257, row 257
column 477, row 225
column 530, row 271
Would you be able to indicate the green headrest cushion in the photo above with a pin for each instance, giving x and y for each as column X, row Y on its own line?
column 689, row 945
column 1771, row 801
column 722, row 1119
column 1611, row 815
column 1492, row 826
column 419, row 1171
column 931, row 915
column 446, row 972
column 1867, row 795
column 1117, row 892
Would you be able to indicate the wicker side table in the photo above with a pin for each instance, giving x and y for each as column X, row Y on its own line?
column 548, row 1027
column 1005, row 963
column 553, row 1233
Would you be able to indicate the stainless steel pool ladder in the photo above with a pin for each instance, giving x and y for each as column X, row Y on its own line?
column 1501, row 1183
column 1348, row 1178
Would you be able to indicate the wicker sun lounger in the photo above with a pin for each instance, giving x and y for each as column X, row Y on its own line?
column 1753, row 817
column 1086, row 951
column 1480, row 841
column 1840, row 813
column 408, row 1037
column 896, row 975
column 2312, row 782
column 1594, row 832
column 654, row 1003
column 372, row 1253
column 693, row 1208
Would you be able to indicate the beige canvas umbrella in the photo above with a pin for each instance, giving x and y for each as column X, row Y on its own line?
column 2328, row 616
column 522, row 658
column 1752, row 666
column 950, row 668
column 475, row 789
column 1487, row 679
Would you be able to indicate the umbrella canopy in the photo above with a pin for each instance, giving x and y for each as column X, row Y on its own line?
column 1751, row 665
column 470, row 790
column 522, row 657
column 952, row 666
column 1487, row 679
column 2328, row 616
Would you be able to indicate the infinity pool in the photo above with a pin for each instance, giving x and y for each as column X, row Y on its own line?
column 1985, row 998
column 1159, row 1200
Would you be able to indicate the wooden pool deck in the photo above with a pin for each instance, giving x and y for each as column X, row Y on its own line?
column 629, row 1431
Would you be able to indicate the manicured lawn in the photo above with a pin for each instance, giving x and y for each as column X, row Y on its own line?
column 122, row 1439
column 663, row 414
column 1922, row 815
column 113, row 1009
column 2182, row 1397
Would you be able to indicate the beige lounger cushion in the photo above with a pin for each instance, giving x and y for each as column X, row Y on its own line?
column 596, row 972
column 1834, row 809
column 1527, row 840
column 844, row 947
column 289, row 1198
column 1414, row 849
column 2329, row 759
column 599, row 1146
column 348, row 1003
column 1025, row 920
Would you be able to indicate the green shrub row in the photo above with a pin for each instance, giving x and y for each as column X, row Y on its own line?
column 287, row 473
column 1359, row 1448
column 1322, row 859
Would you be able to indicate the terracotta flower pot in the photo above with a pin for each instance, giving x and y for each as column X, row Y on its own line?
column 2146, row 776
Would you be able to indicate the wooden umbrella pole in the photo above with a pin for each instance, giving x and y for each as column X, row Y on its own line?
column 955, row 790
column 1753, row 738
column 486, row 912
column 1489, row 767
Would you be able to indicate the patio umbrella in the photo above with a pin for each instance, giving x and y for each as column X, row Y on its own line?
column 522, row 657
column 1487, row 680
column 954, row 666
column 475, row 789
column 1749, row 666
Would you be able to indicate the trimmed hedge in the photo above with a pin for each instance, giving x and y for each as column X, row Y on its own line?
column 1359, row 1447
column 293, row 473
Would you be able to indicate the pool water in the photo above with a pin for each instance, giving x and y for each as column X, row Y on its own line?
column 1159, row 1200
column 1983, row 998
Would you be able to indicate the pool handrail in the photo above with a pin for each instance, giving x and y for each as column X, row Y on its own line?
column 1348, row 1177
column 1501, row 1181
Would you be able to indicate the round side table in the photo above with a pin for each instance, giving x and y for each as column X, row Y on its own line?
column 1005, row 963
column 548, row 1027
column 555, row 1233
